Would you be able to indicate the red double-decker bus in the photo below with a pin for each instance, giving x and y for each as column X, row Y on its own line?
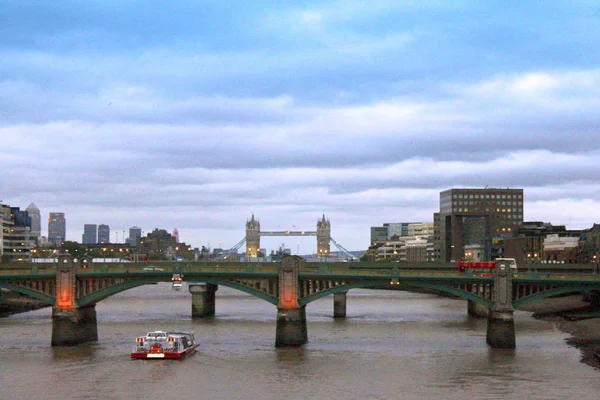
column 485, row 266
column 139, row 257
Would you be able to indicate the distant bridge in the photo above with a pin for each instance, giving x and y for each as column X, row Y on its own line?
column 253, row 235
column 290, row 285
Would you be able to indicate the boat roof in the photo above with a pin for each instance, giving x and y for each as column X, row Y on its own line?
column 175, row 333
column 180, row 333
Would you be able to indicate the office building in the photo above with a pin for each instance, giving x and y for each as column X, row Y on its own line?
column 36, row 222
column 57, row 228
column 397, row 229
column 15, row 234
column 103, row 234
column 475, row 217
column 379, row 234
column 89, row 234
column 134, row 234
column 391, row 230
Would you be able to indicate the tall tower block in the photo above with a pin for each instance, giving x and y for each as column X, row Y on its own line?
column 323, row 235
column 252, row 237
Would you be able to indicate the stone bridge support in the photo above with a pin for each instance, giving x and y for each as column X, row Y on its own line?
column 76, row 326
column 291, row 316
column 501, row 323
column 339, row 305
column 71, row 325
column 203, row 299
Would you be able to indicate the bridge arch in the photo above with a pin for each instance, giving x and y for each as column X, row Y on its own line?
column 246, row 289
column 551, row 293
column 402, row 286
column 50, row 300
column 102, row 294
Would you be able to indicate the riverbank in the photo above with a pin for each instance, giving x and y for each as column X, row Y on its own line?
column 15, row 303
column 572, row 316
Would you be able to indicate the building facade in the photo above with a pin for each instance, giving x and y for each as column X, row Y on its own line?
column 103, row 233
column 57, row 228
column 36, row 222
column 135, row 233
column 89, row 234
column 16, row 241
column 476, row 216
column 379, row 234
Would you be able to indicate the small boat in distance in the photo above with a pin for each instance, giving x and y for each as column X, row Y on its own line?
column 160, row 345
column 177, row 280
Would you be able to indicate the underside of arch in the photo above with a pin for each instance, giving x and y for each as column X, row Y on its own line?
column 550, row 293
column 402, row 286
column 102, row 294
column 32, row 293
column 246, row 289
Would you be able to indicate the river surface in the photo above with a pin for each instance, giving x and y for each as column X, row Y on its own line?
column 392, row 345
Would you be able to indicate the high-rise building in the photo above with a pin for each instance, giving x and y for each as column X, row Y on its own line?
column 134, row 234
column 57, row 228
column 89, row 234
column 15, row 233
column 103, row 234
column 36, row 222
column 476, row 217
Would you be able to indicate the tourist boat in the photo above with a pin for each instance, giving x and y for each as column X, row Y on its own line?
column 160, row 345
column 177, row 280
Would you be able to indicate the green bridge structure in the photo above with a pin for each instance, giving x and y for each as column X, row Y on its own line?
column 74, row 287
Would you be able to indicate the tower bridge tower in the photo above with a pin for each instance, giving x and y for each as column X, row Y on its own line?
column 323, row 235
column 252, row 237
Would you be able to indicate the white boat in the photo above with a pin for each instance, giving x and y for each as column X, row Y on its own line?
column 161, row 345
column 177, row 280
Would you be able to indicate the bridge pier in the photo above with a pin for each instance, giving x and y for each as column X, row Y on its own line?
column 501, row 323
column 203, row 299
column 501, row 330
column 291, row 316
column 339, row 305
column 71, row 325
column 76, row 326
column 291, row 327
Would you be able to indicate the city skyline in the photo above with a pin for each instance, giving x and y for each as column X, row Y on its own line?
column 195, row 117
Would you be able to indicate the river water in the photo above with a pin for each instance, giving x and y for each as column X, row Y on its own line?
column 392, row 345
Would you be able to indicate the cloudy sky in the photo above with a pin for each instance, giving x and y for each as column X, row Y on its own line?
column 196, row 114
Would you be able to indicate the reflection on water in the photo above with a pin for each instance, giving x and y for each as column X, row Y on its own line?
column 392, row 345
column 83, row 353
column 291, row 355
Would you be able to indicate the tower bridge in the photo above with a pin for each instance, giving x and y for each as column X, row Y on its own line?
column 254, row 233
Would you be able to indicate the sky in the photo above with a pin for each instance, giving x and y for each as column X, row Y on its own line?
column 196, row 115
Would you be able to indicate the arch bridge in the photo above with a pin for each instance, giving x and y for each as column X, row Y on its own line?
column 292, row 284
